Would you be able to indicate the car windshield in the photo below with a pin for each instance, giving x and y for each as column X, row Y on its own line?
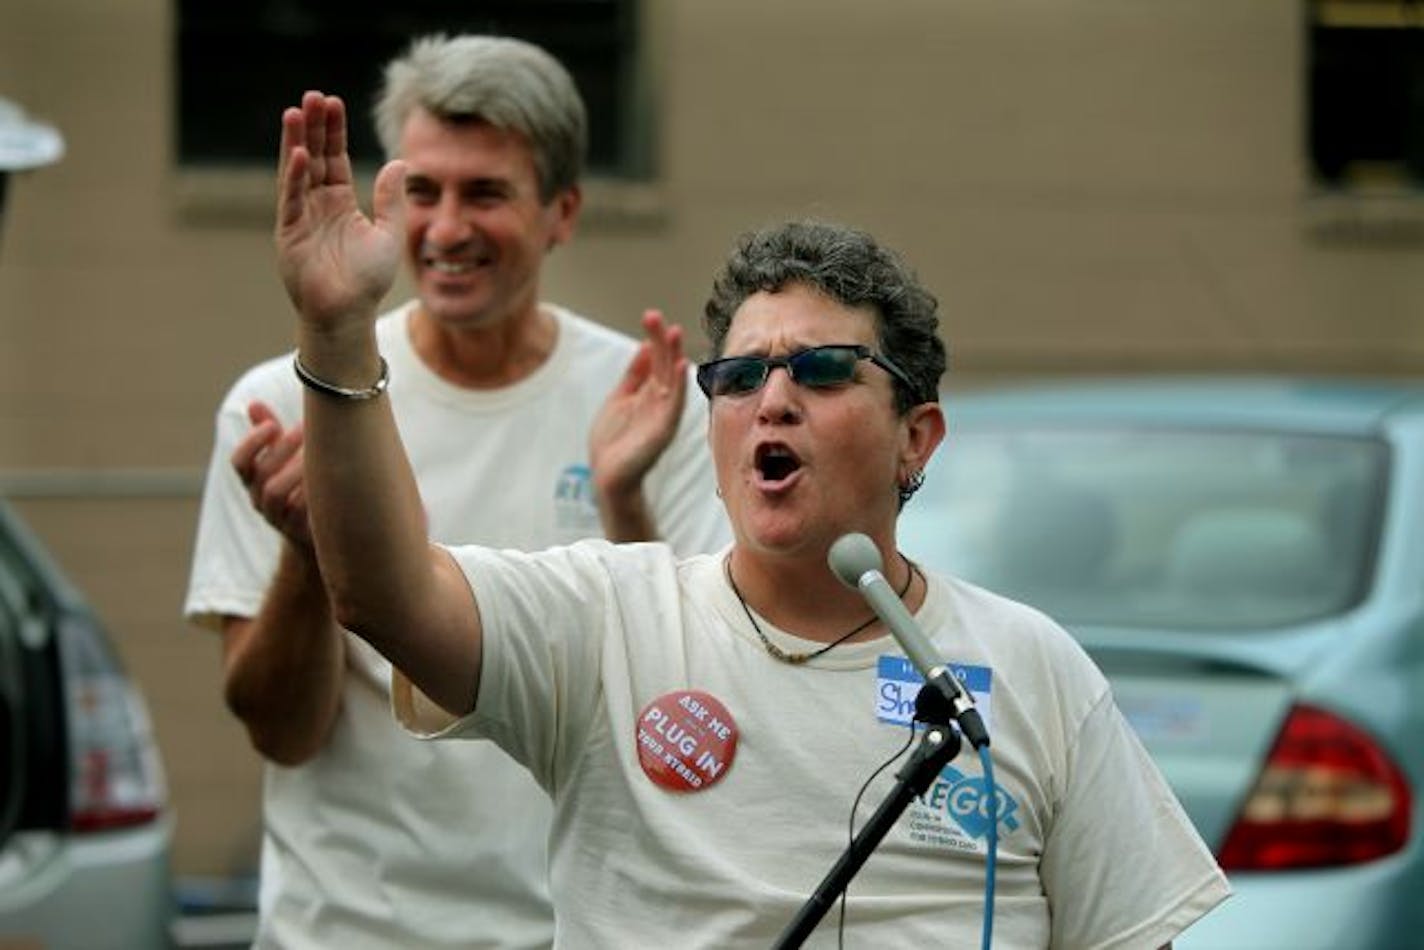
column 1181, row 529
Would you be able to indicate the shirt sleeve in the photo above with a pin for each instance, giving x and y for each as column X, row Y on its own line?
column 235, row 551
column 545, row 617
column 1123, row 867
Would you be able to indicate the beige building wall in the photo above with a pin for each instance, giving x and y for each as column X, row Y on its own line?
column 1089, row 185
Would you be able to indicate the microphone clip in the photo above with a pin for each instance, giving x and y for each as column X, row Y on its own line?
column 932, row 707
column 942, row 700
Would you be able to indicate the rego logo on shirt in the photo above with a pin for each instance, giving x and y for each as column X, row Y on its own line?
column 963, row 798
column 575, row 511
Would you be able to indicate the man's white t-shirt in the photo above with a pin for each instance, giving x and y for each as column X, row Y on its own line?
column 382, row 840
column 703, row 789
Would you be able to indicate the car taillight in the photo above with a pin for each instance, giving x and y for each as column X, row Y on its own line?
column 115, row 777
column 1328, row 795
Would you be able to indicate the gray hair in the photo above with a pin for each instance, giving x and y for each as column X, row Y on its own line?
column 505, row 82
column 851, row 268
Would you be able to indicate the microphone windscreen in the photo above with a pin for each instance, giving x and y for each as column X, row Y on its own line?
column 852, row 556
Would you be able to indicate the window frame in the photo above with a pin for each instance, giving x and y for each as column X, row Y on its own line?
column 628, row 194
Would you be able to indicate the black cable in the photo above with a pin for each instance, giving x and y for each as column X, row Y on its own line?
column 850, row 830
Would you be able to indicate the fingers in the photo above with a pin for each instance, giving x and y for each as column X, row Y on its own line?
column 278, row 467
column 265, row 431
column 388, row 198
column 314, row 119
column 280, row 498
column 312, row 152
column 293, row 166
column 269, row 463
column 293, row 136
column 637, row 372
column 664, row 340
column 658, row 367
column 338, row 169
column 259, row 412
column 678, row 366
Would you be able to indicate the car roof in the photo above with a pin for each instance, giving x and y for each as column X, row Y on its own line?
column 1342, row 406
column 20, row 543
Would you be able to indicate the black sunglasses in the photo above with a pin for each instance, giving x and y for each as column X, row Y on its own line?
column 818, row 367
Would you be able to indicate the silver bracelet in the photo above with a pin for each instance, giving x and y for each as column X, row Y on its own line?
column 341, row 392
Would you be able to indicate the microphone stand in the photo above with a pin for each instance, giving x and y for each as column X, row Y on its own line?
column 939, row 744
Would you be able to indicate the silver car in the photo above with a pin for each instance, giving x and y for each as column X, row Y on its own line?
column 85, row 827
column 1245, row 561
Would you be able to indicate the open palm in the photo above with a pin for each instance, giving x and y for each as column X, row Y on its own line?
column 336, row 263
column 640, row 415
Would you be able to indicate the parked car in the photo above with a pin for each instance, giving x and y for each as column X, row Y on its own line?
column 85, row 827
column 1245, row 561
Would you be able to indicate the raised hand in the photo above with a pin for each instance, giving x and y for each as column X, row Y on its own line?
column 336, row 263
column 635, row 426
column 269, row 462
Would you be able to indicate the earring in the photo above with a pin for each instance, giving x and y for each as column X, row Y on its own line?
column 911, row 484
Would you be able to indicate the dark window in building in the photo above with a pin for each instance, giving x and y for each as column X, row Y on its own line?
column 239, row 64
column 1366, row 92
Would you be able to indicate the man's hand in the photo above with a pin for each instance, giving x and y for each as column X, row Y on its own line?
column 336, row 263
column 635, row 426
column 269, row 462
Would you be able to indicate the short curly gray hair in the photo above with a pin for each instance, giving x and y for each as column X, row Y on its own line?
column 851, row 268
column 505, row 82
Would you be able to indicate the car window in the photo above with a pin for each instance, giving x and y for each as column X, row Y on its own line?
column 12, row 747
column 40, row 745
column 1188, row 529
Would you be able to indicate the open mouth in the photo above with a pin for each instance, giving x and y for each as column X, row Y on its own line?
column 776, row 462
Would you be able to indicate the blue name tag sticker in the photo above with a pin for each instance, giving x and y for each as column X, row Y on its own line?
column 897, row 683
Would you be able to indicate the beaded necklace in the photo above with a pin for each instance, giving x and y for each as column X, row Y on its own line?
column 796, row 659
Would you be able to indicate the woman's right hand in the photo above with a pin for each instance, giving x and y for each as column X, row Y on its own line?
column 336, row 263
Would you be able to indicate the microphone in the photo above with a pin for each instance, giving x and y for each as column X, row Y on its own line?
column 855, row 559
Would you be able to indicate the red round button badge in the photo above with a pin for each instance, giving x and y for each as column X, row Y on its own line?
column 686, row 740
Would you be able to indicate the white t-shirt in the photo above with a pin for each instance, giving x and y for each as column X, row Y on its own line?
column 378, row 840
column 596, row 656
